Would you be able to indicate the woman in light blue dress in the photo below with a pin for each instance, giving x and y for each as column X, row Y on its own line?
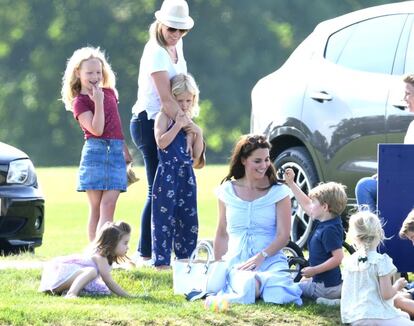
column 253, row 227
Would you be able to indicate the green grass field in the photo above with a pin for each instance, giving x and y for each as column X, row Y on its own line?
column 154, row 304
column 67, row 210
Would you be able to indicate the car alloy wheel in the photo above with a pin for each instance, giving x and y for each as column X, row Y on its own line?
column 306, row 178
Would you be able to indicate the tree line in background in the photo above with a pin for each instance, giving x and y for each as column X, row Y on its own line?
column 232, row 45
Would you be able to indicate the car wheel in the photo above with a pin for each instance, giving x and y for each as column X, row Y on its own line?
column 306, row 178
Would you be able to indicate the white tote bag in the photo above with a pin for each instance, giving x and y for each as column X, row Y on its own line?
column 196, row 274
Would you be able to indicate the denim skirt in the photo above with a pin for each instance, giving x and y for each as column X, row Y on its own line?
column 102, row 165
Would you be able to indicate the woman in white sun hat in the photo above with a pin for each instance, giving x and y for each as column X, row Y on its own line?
column 161, row 60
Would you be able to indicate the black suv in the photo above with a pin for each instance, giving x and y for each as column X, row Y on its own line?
column 21, row 202
column 337, row 96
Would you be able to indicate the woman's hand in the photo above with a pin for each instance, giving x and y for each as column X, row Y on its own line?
column 253, row 263
column 289, row 176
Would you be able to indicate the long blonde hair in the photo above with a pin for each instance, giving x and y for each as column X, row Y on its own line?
column 71, row 85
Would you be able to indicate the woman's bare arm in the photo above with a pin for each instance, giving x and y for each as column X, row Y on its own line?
column 221, row 239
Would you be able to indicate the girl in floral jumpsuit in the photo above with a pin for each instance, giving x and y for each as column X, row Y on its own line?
column 174, row 204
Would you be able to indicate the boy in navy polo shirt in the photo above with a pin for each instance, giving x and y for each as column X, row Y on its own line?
column 322, row 280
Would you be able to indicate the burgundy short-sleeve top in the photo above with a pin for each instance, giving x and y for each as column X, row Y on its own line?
column 113, row 127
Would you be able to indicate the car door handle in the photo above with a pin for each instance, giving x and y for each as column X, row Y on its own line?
column 400, row 105
column 321, row 96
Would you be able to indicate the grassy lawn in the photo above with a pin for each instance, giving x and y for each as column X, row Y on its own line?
column 67, row 210
column 155, row 304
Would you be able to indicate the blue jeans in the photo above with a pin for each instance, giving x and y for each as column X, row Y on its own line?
column 142, row 133
column 366, row 193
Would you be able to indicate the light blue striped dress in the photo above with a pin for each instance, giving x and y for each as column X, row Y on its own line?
column 251, row 226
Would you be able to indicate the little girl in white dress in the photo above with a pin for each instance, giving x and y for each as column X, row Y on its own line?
column 367, row 291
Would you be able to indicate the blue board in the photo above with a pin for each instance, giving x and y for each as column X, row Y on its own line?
column 396, row 199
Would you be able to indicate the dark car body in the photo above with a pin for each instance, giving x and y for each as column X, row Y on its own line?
column 21, row 202
column 337, row 96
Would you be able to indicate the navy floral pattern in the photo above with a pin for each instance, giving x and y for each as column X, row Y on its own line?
column 174, row 204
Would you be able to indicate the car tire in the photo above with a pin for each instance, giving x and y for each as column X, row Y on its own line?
column 299, row 159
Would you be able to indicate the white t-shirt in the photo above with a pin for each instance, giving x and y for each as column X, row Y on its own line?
column 155, row 58
column 409, row 136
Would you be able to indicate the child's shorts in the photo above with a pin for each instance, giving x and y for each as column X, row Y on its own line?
column 315, row 290
column 102, row 165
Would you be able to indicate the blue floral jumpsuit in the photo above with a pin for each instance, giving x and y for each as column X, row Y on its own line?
column 174, row 203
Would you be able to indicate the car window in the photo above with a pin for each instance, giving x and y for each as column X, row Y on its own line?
column 368, row 46
column 409, row 57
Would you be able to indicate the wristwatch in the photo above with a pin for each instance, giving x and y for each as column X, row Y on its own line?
column 264, row 254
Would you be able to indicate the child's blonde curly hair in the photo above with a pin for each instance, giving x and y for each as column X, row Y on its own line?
column 71, row 85
column 365, row 230
column 182, row 83
column 331, row 193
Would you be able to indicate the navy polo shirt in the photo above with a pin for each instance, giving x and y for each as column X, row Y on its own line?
column 326, row 237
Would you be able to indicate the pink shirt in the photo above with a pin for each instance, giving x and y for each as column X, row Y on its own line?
column 113, row 127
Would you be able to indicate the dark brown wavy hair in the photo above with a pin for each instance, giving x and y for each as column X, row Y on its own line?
column 242, row 150
column 108, row 238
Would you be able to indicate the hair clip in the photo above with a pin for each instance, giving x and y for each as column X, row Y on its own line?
column 362, row 259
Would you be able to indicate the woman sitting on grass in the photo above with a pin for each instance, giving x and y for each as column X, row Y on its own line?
column 89, row 273
column 253, row 227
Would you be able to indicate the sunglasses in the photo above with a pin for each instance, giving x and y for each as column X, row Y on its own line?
column 256, row 139
column 173, row 30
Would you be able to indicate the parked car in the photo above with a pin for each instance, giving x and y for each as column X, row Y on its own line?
column 21, row 202
column 338, row 95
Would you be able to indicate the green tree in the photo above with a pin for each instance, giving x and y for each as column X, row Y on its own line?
column 233, row 44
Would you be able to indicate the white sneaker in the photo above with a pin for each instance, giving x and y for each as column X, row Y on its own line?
column 328, row 302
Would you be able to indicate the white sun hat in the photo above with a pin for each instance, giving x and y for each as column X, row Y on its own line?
column 175, row 14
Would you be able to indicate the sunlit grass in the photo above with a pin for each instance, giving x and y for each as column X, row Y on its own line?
column 154, row 302
column 67, row 209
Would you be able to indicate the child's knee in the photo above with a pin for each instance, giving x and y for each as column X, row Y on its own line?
column 401, row 297
column 308, row 288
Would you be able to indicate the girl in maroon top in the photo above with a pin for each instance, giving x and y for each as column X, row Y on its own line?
column 88, row 90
